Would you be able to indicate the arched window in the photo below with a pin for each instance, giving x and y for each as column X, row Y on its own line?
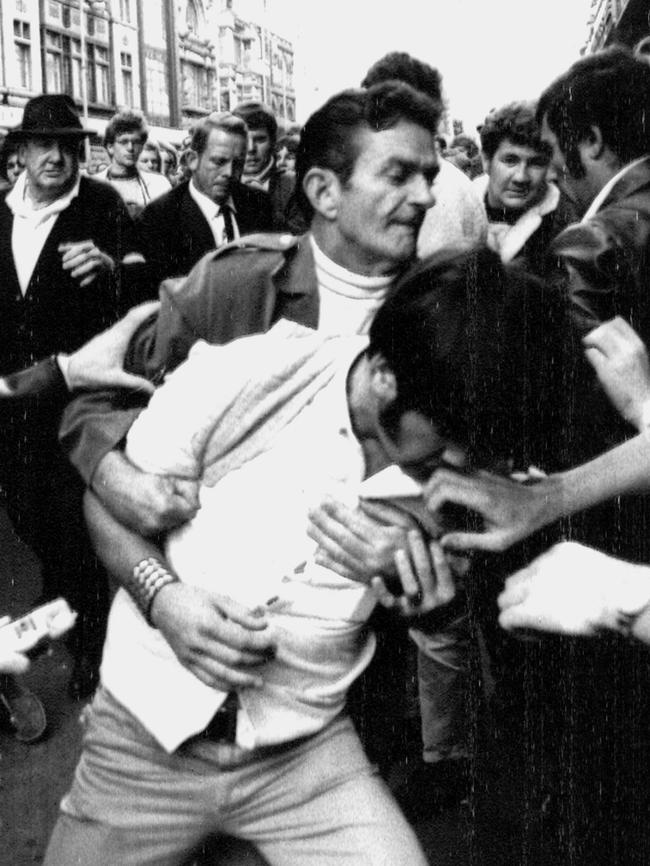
column 192, row 16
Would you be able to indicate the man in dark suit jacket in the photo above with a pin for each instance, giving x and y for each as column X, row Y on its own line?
column 211, row 209
column 62, row 241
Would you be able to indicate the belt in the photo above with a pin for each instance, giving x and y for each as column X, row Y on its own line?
column 223, row 726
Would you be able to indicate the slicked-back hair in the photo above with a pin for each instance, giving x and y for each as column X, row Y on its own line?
column 610, row 90
column 516, row 122
column 223, row 120
column 455, row 332
column 125, row 121
column 400, row 66
column 258, row 116
column 330, row 138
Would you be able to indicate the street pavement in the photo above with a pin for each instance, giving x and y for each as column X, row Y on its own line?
column 33, row 778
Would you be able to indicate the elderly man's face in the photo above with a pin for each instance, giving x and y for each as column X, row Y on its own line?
column 215, row 171
column 379, row 211
column 516, row 176
column 51, row 165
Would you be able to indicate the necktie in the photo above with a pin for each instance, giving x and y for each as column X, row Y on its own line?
column 228, row 222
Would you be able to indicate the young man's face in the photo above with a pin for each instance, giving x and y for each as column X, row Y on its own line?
column 126, row 149
column 516, row 176
column 380, row 210
column 219, row 167
column 258, row 151
column 580, row 190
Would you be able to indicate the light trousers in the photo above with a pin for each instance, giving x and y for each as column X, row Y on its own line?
column 315, row 802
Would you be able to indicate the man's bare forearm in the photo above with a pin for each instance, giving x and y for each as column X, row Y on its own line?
column 621, row 471
column 119, row 548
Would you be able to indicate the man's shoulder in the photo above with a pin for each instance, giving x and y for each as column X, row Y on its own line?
column 238, row 267
column 257, row 252
column 249, row 196
column 171, row 198
column 89, row 186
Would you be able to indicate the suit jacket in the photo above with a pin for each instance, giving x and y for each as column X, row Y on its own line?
column 243, row 288
column 173, row 234
column 56, row 314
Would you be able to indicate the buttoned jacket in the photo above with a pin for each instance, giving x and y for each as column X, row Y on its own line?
column 173, row 233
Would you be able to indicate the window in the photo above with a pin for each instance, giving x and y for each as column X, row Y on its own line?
column 62, row 64
column 125, row 11
column 197, row 83
column 192, row 17
column 157, row 90
column 98, row 79
column 126, row 62
column 22, row 45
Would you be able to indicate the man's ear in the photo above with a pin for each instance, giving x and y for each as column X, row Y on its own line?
column 192, row 160
column 592, row 145
column 383, row 383
column 322, row 188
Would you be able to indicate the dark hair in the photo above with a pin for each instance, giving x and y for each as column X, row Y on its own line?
column 125, row 121
column 515, row 122
column 455, row 332
column 400, row 66
column 466, row 143
column 291, row 142
column 329, row 138
column 216, row 120
column 10, row 147
column 610, row 90
column 258, row 116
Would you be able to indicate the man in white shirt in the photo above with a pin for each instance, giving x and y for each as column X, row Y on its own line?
column 169, row 757
column 213, row 208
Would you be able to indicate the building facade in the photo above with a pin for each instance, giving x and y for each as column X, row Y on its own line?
column 175, row 60
column 624, row 22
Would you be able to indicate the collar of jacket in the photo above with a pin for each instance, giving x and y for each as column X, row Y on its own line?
column 633, row 180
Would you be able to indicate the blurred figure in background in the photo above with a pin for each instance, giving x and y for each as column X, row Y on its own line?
column 11, row 166
column 124, row 138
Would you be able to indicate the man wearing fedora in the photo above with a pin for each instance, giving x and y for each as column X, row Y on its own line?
column 62, row 240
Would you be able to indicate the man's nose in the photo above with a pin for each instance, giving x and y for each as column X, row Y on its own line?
column 55, row 152
column 422, row 192
column 250, row 148
column 227, row 169
column 521, row 173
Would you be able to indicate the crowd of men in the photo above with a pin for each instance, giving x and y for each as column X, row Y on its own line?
column 360, row 402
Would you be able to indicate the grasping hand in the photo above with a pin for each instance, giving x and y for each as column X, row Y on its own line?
column 218, row 640
column 147, row 503
column 425, row 575
column 98, row 364
column 510, row 511
column 358, row 544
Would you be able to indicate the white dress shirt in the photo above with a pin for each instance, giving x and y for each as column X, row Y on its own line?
column 214, row 215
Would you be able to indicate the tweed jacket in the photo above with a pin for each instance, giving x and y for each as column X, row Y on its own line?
column 240, row 289
column 173, row 234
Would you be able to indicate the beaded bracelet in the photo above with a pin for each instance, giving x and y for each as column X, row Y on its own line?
column 149, row 577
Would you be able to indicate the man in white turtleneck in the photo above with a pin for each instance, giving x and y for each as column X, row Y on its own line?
column 365, row 169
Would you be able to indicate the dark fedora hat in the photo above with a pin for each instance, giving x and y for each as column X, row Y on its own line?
column 53, row 114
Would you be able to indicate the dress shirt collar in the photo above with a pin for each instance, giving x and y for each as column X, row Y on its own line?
column 208, row 208
column 598, row 202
